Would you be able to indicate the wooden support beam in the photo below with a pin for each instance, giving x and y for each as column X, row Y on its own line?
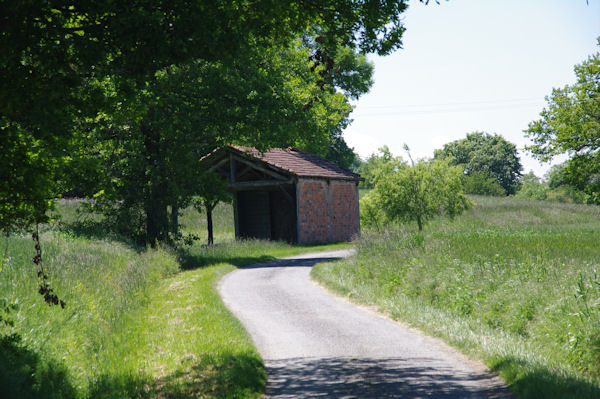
column 218, row 164
column 287, row 195
column 231, row 168
column 222, row 172
column 257, row 183
column 246, row 170
column 262, row 169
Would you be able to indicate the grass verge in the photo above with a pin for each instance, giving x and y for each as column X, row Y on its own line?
column 512, row 282
column 139, row 322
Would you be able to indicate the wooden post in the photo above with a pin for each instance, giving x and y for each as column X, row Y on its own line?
column 209, row 222
column 236, row 218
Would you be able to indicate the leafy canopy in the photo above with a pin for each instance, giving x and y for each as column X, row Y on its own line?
column 570, row 124
column 491, row 155
column 417, row 192
column 150, row 145
column 51, row 50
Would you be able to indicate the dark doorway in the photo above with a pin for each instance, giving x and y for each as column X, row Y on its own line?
column 254, row 214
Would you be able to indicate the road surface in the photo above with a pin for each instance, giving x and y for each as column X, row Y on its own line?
column 315, row 344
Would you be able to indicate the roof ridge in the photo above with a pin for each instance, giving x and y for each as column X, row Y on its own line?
column 298, row 162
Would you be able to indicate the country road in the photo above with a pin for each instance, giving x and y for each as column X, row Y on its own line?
column 315, row 344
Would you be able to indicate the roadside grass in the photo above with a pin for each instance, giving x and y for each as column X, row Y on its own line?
column 513, row 282
column 139, row 322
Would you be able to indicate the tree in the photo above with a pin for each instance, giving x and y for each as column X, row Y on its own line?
column 378, row 166
column 532, row 187
column 570, row 124
column 52, row 49
column 485, row 153
column 420, row 191
column 213, row 191
column 482, row 183
column 153, row 142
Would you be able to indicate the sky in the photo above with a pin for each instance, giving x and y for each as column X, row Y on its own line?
column 473, row 65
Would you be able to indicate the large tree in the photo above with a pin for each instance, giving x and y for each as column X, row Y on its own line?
column 483, row 153
column 570, row 124
column 52, row 49
column 152, row 144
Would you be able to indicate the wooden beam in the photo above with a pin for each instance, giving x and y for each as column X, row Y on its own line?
column 218, row 164
column 222, row 172
column 231, row 168
column 258, row 183
column 287, row 195
column 236, row 216
column 246, row 170
column 262, row 168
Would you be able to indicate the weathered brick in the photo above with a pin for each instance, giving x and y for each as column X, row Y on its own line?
column 327, row 211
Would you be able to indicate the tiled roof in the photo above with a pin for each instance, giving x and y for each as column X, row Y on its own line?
column 298, row 162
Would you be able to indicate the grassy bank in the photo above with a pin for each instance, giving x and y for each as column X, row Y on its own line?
column 138, row 322
column 513, row 282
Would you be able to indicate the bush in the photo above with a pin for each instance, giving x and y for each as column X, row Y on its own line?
column 481, row 183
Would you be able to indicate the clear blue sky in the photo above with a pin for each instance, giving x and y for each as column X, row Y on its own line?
column 470, row 65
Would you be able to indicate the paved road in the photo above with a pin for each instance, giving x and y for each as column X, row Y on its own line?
column 317, row 345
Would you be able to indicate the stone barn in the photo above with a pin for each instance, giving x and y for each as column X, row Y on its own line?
column 288, row 194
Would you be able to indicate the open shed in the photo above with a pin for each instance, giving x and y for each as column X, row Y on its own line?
column 288, row 194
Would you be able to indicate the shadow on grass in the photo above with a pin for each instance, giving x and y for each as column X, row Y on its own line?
column 239, row 375
column 531, row 382
column 109, row 386
column 190, row 261
column 25, row 374
column 92, row 229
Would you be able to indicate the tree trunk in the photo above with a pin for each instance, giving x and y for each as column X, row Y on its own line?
column 419, row 223
column 175, row 219
column 209, row 222
column 155, row 206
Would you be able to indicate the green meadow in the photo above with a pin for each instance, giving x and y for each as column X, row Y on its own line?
column 513, row 282
column 138, row 322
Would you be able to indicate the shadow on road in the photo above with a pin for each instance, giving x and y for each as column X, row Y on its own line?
column 291, row 262
column 374, row 378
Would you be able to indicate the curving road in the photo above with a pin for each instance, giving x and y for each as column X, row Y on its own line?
column 317, row 345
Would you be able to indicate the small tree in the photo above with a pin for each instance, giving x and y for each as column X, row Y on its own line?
column 213, row 191
column 378, row 165
column 532, row 187
column 419, row 192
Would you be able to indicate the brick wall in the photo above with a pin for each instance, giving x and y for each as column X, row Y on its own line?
column 327, row 212
column 345, row 222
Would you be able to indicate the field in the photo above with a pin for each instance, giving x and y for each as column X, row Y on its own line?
column 512, row 282
column 138, row 322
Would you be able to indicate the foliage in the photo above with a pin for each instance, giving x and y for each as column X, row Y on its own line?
column 378, row 166
column 532, row 187
column 512, row 281
column 139, row 322
column 213, row 190
column 553, row 188
column 482, row 183
column 52, row 50
column 27, row 173
column 150, row 146
column 485, row 153
column 339, row 152
column 418, row 192
column 571, row 124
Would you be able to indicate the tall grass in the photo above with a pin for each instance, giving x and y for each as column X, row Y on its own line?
column 139, row 322
column 515, row 282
